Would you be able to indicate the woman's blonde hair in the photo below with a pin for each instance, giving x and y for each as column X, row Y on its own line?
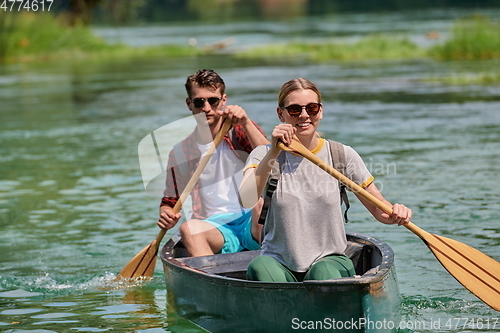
column 294, row 85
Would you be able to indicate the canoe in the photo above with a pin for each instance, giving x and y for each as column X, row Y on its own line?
column 212, row 292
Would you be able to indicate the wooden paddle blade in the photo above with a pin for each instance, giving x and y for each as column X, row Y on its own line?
column 143, row 264
column 472, row 268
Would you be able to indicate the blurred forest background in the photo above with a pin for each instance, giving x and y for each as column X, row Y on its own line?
column 140, row 11
column 70, row 30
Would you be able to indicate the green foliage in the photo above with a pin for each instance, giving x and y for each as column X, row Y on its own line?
column 472, row 39
column 484, row 78
column 25, row 35
column 372, row 47
column 40, row 36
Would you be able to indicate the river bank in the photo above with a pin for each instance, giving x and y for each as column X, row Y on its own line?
column 34, row 37
column 28, row 37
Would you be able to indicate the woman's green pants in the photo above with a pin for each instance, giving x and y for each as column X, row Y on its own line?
column 265, row 268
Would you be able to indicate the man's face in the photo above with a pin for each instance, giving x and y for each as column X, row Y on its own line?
column 208, row 101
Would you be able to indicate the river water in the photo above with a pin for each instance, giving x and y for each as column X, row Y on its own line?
column 73, row 210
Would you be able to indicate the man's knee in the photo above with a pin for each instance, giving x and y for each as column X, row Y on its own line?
column 201, row 238
column 194, row 227
column 184, row 230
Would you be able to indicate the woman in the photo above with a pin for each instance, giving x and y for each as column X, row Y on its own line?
column 304, row 235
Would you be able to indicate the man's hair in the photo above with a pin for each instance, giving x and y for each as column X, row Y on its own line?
column 205, row 78
column 294, row 85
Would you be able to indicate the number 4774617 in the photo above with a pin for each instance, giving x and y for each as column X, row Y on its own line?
column 26, row 5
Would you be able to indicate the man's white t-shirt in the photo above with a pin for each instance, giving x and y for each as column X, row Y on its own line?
column 219, row 180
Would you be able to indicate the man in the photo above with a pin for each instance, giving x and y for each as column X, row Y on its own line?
column 219, row 224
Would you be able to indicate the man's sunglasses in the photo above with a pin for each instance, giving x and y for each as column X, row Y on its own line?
column 200, row 102
column 295, row 110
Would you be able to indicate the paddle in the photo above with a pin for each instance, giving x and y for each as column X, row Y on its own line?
column 472, row 268
column 144, row 262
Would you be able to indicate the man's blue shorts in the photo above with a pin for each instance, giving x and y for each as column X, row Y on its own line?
column 236, row 228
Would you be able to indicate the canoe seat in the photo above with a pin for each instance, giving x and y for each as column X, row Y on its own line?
column 363, row 257
column 235, row 264
column 227, row 264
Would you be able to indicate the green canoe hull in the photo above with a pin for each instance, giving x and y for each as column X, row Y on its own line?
column 212, row 292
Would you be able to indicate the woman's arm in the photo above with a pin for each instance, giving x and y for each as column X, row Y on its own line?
column 401, row 214
column 255, row 179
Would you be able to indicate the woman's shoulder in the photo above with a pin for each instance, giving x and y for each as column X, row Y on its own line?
column 347, row 149
column 260, row 151
column 262, row 148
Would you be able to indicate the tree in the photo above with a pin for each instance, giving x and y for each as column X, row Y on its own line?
column 82, row 11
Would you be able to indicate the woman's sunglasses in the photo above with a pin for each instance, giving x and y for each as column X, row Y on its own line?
column 200, row 102
column 295, row 110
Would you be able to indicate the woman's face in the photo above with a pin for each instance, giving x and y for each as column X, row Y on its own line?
column 305, row 124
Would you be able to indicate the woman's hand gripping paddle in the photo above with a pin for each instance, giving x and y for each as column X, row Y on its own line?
column 144, row 262
column 472, row 268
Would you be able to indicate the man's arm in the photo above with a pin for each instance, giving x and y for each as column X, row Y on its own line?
column 254, row 134
column 237, row 115
column 167, row 218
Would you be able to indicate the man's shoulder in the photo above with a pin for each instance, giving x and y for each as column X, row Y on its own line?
column 238, row 128
column 186, row 143
column 238, row 139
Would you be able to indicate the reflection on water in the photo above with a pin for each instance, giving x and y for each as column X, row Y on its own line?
column 137, row 308
column 414, row 25
column 73, row 209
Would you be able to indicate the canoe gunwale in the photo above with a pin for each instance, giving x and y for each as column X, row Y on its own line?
column 374, row 276
column 226, row 304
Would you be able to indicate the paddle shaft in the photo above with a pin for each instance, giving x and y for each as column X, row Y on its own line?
column 473, row 269
column 196, row 175
column 303, row 151
column 144, row 262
